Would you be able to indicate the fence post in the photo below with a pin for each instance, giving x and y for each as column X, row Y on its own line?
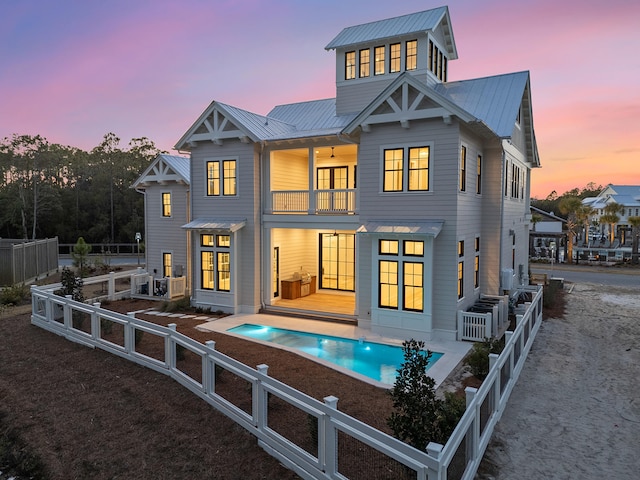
column 68, row 323
column 434, row 450
column 170, row 347
column 474, row 440
column 493, row 360
column 328, row 436
column 210, row 377
column 260, row 399
column 488, row 321
column 112, row 286
column 507, row 339
column 95, row 322
column 129, row 334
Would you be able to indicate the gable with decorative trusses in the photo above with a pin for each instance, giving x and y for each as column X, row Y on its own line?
column 220, row 122
column 404, row 100
column 165, row 170
column 216, row 127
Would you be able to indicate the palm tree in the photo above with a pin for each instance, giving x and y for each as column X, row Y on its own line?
column 611, row 217
column 570, row 205
column 635, row 234
column 583, row 215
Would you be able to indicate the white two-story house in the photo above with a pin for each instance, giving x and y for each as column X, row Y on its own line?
column 393, row 205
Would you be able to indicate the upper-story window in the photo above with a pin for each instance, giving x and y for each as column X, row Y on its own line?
column 350, row 65
column 515, row 181
column 387, row 59
column 412, row 176
column 411, row 55
column 437, row 61
column 394, row 58
column 479, row 175
column 462, row 186
column 365, row 64
column 379, row 56
column 221, row 178
column 166, row 204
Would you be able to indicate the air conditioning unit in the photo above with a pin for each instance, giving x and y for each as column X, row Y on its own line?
column 506, row 279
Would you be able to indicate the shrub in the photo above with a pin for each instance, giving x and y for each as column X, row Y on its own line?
column 71, row 285
column 417, row 409
column 478, row 358
column 14, row 295
column 451, row 411
column 181, row 304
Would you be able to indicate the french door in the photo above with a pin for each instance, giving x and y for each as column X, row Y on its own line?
column 338, row 258
column 332, row 178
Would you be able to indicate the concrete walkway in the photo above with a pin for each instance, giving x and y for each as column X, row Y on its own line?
column 575, row 411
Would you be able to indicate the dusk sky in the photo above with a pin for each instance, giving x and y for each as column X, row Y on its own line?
column 74, row 70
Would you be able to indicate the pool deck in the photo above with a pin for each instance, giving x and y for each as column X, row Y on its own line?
column 453, row 352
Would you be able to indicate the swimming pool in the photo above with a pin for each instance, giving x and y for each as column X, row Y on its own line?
column 374, row 360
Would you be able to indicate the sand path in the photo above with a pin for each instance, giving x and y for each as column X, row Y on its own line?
column 575, row 411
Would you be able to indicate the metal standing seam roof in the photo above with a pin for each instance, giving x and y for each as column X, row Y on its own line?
column 312, row 118
column 181, row 165
column 494, row 100
column 429, row 227
column 388, row 28
column 226, row 224
column 259, row 126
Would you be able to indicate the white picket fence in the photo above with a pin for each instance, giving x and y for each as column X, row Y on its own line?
column 336, row 438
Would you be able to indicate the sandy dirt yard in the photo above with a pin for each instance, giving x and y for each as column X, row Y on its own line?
column 575, row 411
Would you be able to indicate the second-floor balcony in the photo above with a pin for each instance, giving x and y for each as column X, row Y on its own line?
column 313, row 180
column 330, row 202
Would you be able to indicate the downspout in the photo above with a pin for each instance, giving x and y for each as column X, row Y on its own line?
column 503, row 175
column 261, row 237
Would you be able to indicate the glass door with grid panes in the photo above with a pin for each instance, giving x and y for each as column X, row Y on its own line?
column 337, row 257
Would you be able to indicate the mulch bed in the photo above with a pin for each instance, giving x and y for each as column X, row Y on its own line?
column 67, row 411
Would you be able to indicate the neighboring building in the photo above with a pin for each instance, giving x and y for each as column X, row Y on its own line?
column 165, row 185
column 546, row 238
column 626, row 195
column 404, row 198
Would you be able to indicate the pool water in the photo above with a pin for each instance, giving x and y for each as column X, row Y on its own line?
column 374, row 360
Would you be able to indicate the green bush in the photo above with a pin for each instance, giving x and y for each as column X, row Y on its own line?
column 420, row 417
column 14, row 295
column 179, row 305
column 478, row 358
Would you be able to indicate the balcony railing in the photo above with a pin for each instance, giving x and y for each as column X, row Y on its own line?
column 321, row 202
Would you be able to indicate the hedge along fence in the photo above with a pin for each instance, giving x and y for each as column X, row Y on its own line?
column 310, row 437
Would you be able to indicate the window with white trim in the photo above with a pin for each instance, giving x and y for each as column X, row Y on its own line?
column 394, row 57
column 365, row 65
column 379, row 61
column 215, row 262
column 221, row 178
column 412, row 175
column 411, row 55
column 350, row 65
column 462, row 185
column 401, row 275
column 479, row 175
column 476, row 265
column 166, row 204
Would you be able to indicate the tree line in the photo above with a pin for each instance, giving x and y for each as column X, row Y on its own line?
column 49, row 190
